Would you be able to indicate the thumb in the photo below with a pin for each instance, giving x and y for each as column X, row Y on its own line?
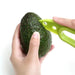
column 34, row 45
column 65, row 22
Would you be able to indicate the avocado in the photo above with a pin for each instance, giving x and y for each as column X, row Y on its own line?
column 29, row 24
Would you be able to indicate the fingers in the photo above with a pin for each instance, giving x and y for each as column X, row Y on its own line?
column 34, row 46
column 42, row 58
column 16, row 48
column 65, row 22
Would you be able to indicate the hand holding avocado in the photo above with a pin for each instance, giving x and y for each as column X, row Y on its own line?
column 31, row 43
column 29, row 64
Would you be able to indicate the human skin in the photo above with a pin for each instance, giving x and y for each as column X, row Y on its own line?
column 29, row 64
column 65, row 22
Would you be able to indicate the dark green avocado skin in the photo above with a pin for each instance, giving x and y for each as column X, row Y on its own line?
column 29, row 24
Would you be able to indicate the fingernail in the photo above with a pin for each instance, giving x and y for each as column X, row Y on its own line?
column 35, row 35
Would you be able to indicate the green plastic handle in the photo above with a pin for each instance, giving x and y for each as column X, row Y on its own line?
column 58, row 29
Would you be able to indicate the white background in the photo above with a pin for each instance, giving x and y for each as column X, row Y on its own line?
column 61, row 60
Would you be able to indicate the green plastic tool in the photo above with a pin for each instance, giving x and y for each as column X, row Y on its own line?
column 58, row 29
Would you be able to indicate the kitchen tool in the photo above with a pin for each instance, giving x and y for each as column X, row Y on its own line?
column 58, row 29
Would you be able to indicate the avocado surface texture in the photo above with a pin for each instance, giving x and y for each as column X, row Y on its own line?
column 29, row 24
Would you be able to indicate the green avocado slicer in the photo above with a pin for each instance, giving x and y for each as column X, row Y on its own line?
column 58, row 29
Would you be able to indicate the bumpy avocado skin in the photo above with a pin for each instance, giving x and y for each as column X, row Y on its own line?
column 29, row 24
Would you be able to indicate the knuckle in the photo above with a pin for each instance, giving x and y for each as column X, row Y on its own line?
column 33, row 43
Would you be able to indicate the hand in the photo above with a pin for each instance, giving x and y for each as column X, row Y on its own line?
column 65, row 22
column 28, row 64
